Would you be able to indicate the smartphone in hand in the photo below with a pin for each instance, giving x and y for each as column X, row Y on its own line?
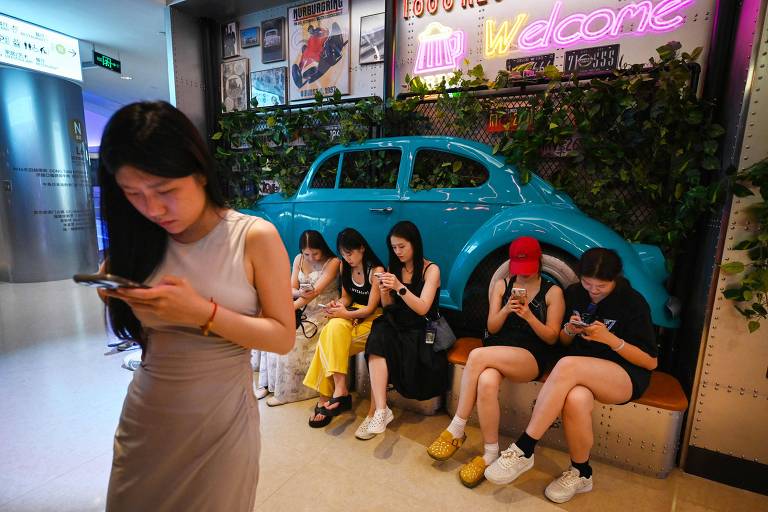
column 107, row 281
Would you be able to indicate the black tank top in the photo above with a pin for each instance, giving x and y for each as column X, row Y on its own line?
column 514, row 326
column 359, row 294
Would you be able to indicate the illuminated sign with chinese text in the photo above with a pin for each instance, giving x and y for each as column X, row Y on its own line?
column 440, row 49
column 29, row 46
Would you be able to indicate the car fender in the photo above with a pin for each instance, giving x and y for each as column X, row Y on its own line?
column 570, row 231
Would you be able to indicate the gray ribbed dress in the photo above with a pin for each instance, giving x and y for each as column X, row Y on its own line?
column 188, row 437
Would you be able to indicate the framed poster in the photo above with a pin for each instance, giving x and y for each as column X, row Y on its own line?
column 234, row 85
column 318, row 49
column 230, row 44
column 249, row 37
column 273, row 40
column 269, row 86
column 372, row 39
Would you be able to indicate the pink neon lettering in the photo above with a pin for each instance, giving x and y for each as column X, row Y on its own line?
column 558, row 36
column 609, row 18
column 631, row 11
column 545, row 33
column 664, row 8
column 528, row 36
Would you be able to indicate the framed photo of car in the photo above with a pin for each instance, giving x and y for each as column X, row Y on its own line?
column 249, row 37
column 273, row 40
column 230, row 42
column 372, row 39
column 318, row 49
column 234, row 85
column 269, row 86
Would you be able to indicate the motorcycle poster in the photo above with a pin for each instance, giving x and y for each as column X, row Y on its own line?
column 318, row 49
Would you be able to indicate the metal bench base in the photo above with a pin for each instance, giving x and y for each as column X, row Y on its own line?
column 637, row 437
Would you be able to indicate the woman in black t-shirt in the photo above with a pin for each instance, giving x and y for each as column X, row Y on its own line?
column 612, row 353
column 524, row 319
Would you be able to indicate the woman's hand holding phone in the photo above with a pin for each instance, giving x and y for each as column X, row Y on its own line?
column 172, row 300
column 577, row 326
column 519, row 306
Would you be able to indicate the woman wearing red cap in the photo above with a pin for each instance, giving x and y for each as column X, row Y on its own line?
column 521, row 347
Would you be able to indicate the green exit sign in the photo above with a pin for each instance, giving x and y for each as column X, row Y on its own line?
column 106, row 61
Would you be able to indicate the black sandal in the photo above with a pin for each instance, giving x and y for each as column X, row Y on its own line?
column 327, row 417
column 345, row 404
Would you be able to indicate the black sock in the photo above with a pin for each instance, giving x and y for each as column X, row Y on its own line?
column 527, row 444
column 584, row 468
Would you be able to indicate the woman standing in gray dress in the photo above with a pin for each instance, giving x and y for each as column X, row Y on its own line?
column 188, row 437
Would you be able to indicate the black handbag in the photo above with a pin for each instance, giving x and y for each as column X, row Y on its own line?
column 444, row 336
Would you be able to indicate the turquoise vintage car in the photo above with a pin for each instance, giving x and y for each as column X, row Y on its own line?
column 467, row 219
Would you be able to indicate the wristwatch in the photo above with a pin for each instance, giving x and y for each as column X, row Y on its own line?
column 403, row 290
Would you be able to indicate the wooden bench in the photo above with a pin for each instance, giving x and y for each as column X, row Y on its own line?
column 642, row 435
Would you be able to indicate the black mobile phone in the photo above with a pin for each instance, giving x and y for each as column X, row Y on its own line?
column 108, row 281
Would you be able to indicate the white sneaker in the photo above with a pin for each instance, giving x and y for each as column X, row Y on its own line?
column 261, row 393
column 381, row 418
column 362, row 430
column 511, row 464
column 567, row 485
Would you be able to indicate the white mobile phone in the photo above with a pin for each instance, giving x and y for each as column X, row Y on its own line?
column 322, row 306
column 519, row 293
column 306, row 286
column 579, row 323
column 378, row 275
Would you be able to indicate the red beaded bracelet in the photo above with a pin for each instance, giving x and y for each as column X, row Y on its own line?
column 206, row 327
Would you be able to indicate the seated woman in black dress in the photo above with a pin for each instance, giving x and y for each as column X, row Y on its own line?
column 398, row 349
column 522, row 346
column 612, row 352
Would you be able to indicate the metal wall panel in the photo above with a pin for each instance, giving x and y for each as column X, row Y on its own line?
column 367, row 80
column 695, row 31
column 46, row 204
column 186, row 62
column 730, row 409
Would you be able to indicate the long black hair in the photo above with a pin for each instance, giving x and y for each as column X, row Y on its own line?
column 350, row 239
column 157, row 139
column 600, row 263
column 314, row 240
column 407, row 230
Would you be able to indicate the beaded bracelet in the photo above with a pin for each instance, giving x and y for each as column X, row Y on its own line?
column 206, row 327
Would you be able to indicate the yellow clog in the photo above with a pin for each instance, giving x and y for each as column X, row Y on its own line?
column 473, row 472
column 445, row 446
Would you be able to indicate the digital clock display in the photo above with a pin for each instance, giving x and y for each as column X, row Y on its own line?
column 107, row 62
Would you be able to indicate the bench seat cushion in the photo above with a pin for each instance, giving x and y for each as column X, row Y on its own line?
column 664, row 391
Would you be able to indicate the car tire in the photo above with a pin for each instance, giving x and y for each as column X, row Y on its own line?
column 557, row 266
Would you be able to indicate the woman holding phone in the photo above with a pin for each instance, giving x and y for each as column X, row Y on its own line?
column 610, row 360
column 217, row 290
column 347, row 331
column 315, row 283
column 524, row 318
column 398, row 349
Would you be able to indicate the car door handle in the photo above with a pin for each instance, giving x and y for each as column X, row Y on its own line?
column 386, row 210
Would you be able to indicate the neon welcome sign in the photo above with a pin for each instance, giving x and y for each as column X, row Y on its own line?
column 440, row 49
column 601, row 24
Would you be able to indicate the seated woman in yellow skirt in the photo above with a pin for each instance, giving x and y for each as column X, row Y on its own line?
column 347, row 331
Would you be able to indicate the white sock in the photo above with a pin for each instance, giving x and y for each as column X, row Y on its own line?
column 491, row 453
column 456, row 428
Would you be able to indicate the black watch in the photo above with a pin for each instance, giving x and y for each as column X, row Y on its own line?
column 403, row 290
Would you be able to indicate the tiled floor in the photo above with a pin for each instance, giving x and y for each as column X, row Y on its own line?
column 61, row 398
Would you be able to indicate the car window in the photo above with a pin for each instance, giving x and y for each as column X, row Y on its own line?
column 370, row 169
column 325, row 177
column 441, row 169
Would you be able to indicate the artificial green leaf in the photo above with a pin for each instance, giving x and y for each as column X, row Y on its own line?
column 733, row 267
column 753, row 326
column 740, row 190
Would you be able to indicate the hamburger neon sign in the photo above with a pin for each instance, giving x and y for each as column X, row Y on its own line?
column 559, row 29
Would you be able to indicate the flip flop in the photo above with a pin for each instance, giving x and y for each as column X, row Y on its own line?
column 327, row 417
column 345, row 404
